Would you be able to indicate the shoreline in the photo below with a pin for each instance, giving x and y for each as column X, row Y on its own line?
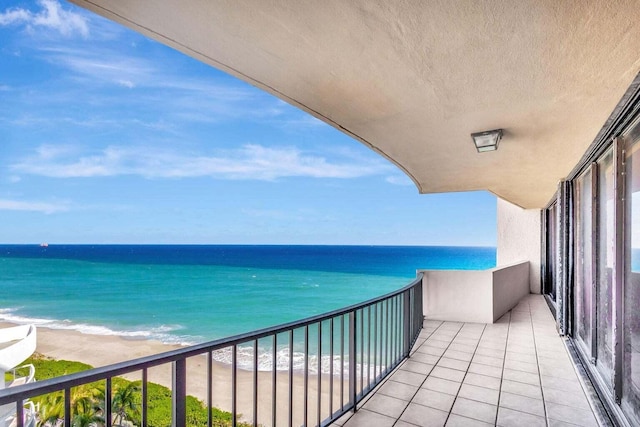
column 95, row 350
column 103, row 350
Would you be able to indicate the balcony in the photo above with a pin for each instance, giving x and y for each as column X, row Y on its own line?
column 514, row 372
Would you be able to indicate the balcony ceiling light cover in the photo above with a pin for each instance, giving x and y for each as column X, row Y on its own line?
column 487, row 140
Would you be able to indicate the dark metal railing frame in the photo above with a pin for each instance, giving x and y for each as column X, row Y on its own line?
column 408, row 324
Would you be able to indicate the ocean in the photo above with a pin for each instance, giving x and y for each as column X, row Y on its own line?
column 195, row 293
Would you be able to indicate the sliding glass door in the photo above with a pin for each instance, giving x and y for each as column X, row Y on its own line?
column 631, row 309
column 585, row 271
column 605, row 263
column 606, row 297
column 550, row 280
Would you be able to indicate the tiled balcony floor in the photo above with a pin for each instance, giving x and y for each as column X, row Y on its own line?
column 516, row 372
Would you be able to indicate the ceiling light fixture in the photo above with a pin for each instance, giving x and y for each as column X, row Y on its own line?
column 487, row 140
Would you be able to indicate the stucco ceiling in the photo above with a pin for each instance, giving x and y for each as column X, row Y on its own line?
column 413, row 79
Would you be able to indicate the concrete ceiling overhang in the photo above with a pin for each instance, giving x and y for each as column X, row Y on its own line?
column 413, row 79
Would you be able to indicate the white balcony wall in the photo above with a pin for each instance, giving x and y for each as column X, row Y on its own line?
column 519, row 239
column 478, row 296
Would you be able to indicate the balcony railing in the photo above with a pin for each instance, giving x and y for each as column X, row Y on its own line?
column 308, row 372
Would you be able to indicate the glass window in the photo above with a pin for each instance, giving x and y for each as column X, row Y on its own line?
column 552, row 246
column 631, row 318
column 606, row 253
column 584, row 260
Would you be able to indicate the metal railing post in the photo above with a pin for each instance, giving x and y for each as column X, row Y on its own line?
column 319, row 359
column 306, row 376
column 234, row 385
column 274, row 373
column 209, row 389
column 107, row 402
column 407, row 323
column 331, row 334
column 255, row 383
column 144, row 397
column 290, row 378
column 20, row 414
column 352, row 359
column 420, row 301
column 342, row 362
column 67, row 406
column 179, row 393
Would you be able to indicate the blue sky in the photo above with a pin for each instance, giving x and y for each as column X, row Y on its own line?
column 109, row 137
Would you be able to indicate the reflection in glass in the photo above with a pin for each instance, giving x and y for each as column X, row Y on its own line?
column 606, row 244
column 552, row 244
column 584, row 260
column 631, row 322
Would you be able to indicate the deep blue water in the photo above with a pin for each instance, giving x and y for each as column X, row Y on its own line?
column 400, row 261
column 189, row 293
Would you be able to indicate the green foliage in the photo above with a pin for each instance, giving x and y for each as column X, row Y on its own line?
column 49, row 368
column 159, row 409
column 87, row 401
column 126, row 402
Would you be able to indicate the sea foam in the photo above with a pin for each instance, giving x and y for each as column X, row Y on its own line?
column 162, row 333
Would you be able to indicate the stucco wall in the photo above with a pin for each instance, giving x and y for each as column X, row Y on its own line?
column 510, row 285
column 519, row 239
column 481, row 296
column 458, row 295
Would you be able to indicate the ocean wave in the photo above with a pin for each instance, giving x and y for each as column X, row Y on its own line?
column 244, row 353
column 160, row 333
column 245, row 361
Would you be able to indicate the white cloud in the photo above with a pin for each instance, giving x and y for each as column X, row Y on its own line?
column 51, row 16
column 50, row 152
column 126, row 83
column 42, row 207
column 191, row 99
column 399, row 180
column 288, row 215
column 101, row 65
column 15, row 16
column 250, row 162
column 302, row 121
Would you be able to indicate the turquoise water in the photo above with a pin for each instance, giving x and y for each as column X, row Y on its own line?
column 189, row 294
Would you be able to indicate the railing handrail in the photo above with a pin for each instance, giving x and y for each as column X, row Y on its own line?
column 27, row 378
column 409, row 335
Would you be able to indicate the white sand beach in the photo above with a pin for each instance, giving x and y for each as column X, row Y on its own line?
column 103, row 350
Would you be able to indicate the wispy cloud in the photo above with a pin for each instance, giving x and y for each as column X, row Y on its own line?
column 297, row 122
column 101, row 65
column 30, row 206
column 250, row 162
column 289, row 215
column 399, row 180
column 155, row 86
column 98, row 71
column 126, row 83
column 51, row 16
column 28, row 120
column 129, row 69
